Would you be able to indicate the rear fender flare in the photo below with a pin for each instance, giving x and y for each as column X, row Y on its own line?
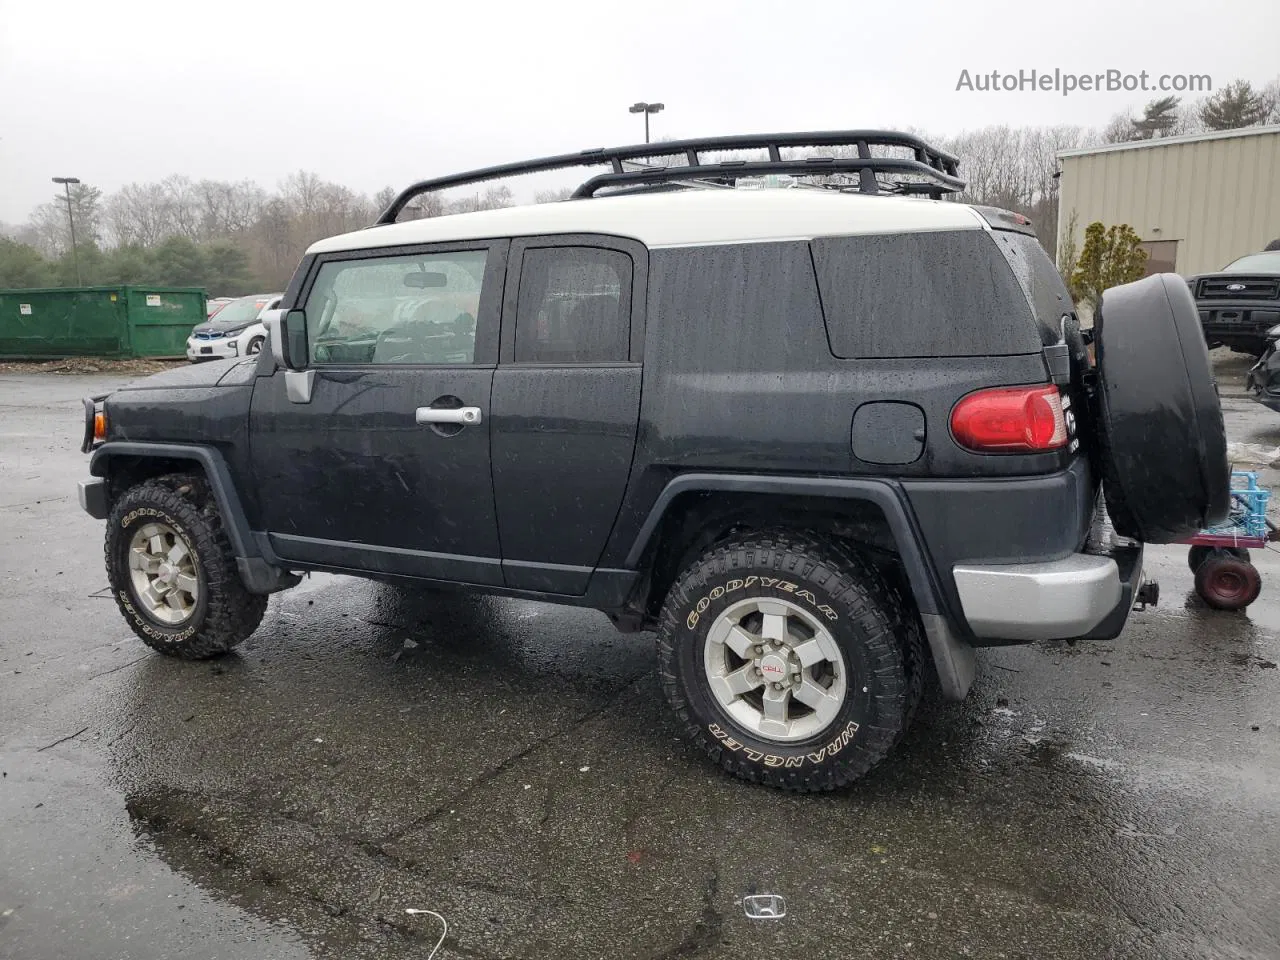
column 952, row 656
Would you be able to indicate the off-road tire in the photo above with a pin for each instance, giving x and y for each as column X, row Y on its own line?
column 225, row 612
column 1159, row 439
column 878, row 637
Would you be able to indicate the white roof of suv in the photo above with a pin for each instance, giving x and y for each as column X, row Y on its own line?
column 683, row 218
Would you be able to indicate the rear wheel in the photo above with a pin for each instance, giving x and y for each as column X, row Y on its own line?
column 782, row 656
column 1228, row 583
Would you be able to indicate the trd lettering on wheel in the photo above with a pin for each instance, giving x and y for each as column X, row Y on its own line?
column 772, row 760
column 786, row 586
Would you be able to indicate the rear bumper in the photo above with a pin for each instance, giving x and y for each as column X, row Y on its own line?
column 1083, row 595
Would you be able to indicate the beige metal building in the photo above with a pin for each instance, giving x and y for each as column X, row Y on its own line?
column 1196, row 202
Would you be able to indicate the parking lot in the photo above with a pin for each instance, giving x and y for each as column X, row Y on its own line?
column 512, row 766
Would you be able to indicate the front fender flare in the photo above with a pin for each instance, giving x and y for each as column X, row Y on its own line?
column 256, row 572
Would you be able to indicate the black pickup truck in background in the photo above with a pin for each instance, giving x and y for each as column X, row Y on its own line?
column 1240, row 303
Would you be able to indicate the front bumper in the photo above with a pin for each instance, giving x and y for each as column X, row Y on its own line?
column 1084, row 595
column 1241, row 324
column 93, row 498
column 221, row 349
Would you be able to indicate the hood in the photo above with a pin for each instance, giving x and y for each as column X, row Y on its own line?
column 1233, row 274
column 209, row 374
column 227, row 329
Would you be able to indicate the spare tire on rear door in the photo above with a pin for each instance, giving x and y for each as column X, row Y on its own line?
column 1161, row 445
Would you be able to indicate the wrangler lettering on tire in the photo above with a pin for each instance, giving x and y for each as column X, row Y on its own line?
column 788, row 660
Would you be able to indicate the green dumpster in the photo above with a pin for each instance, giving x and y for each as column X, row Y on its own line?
column 125, row 321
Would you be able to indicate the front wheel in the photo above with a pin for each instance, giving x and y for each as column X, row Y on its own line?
column 255, row 346
column 172, row 571
column 781, row 655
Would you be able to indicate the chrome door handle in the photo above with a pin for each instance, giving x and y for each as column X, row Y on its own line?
column 463, row 416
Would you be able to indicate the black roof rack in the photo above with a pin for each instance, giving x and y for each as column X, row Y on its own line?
column 934, row 170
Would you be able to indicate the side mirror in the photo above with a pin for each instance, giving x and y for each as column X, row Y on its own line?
column 287, row 333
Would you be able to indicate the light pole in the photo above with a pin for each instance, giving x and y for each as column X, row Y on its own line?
column 71, row 222
column 646, row 109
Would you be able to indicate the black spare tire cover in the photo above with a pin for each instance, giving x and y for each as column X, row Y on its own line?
column 1161, row 444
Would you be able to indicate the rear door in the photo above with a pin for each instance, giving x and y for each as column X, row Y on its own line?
column 566, row 403
column 380, row 470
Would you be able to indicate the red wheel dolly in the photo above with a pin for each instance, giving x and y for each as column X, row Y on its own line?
column 1219, row 556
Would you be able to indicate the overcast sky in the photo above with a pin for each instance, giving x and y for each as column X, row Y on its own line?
column 384, row 92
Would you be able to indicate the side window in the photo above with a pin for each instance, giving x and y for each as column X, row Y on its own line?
column 944, row 294
column 574, row 306
column 410, row 309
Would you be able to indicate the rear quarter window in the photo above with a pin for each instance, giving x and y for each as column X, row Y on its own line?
column 940, row 294
column 1039, row 279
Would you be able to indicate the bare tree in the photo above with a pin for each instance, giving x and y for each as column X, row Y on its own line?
column 49, row 230
column 1119, row 129
column 227, row 209
column 491, row 199
column 382, row 199
column 1069, row 249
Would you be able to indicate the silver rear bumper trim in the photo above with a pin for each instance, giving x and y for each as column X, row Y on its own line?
column 1038, row 601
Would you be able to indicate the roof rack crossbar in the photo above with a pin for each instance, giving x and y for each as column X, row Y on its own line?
column 936, row 184
column 930, row 161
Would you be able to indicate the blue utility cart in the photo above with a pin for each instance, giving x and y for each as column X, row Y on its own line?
column 1219, row 556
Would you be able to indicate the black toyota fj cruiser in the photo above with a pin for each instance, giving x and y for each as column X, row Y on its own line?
column 823, row 439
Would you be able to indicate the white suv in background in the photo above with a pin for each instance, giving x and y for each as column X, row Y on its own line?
column 236, row 330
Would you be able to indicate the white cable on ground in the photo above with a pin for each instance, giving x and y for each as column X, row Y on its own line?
column 412, row 911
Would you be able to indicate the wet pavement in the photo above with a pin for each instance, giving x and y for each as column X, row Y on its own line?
column 511, row 766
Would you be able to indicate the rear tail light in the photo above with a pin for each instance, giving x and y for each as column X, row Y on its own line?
column 1010, row 419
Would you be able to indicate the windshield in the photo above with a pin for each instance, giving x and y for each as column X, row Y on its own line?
column 241, row 311
column 1257, row 263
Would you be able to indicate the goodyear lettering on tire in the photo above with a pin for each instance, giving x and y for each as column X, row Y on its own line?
column 773, row 583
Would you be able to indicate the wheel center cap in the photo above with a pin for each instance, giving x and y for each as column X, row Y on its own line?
column 773, row 667
column 166, row 573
